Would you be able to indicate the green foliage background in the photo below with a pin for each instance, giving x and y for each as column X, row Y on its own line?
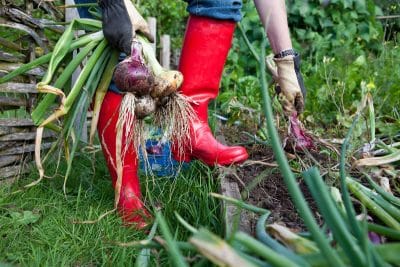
column 342, row 44
column 171, row 17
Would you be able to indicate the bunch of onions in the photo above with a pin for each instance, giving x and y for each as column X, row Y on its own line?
column 151, row 90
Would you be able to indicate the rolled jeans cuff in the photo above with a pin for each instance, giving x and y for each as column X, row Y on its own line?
column 216, row 9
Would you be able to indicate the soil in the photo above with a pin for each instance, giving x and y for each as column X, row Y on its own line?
column 271, row 193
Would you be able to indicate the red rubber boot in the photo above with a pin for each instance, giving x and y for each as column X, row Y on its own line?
column 205, row 49
column 130, row 206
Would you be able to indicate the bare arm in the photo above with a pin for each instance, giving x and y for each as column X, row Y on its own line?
column 286, row 71
column 273, row 16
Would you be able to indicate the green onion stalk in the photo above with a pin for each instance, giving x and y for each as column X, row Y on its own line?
column 385, row 231
column 78, row 43
column 288, row 176
column 381, row 201
column 266, row 239
column 143, row 258
column 332, row 216
column 389, row 197
column 388, row 252
column 378, row 211
column 174, row 252
column 263, row 251
column 241, row 204
column 359, row 229
column 292, row 240
column 93, row 49
column 219, row 251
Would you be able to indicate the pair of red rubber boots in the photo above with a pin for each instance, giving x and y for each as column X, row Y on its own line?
column 205, row 49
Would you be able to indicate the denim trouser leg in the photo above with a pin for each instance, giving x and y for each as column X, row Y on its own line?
column 84, row 11
column 217, row 9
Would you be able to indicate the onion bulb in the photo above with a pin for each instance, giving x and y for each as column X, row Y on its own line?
column 298, row 136
column 166, row 83
column 144, row 106
column 132, row 74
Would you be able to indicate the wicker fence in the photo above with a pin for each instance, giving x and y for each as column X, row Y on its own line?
column 22, row 39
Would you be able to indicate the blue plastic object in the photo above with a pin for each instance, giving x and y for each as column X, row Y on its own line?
column 160, row 163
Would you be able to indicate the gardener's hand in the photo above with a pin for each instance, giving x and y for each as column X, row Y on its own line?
column 286, row 72
column 121, row 21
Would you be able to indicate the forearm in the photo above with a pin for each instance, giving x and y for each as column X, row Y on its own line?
column 273, row 16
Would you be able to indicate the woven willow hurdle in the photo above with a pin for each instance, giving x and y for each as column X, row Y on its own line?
column 19, row 96
column 22, row 39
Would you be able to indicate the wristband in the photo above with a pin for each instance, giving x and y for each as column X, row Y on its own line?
column 285, row 53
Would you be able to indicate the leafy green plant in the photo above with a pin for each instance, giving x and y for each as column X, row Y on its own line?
column 171, row 17
column 335, row 85
column 323, row 26
column 341, row 46
column 391, row 18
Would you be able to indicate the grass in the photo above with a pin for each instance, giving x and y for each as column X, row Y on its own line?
column 37, row 229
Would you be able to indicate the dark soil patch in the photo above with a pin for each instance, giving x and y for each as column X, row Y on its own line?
column 271, row 193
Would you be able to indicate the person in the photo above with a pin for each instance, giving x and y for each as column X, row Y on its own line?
column 207, row 41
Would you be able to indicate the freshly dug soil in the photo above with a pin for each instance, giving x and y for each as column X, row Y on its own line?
column 271, row 193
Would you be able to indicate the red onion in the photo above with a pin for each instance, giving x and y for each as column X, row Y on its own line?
column 299, row 137
column 374, row 238
column 154, row 150
column 132, row 74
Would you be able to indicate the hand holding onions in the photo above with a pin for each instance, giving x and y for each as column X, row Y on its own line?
column 121, row 22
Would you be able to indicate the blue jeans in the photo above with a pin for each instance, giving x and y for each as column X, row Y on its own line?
column 217, row 9
column 84, row 11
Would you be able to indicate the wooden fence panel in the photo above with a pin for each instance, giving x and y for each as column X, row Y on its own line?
column 18, row 96
column 18, row 133
column 165, row 53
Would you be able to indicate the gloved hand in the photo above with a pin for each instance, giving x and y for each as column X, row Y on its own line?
column 121, row 20
column 286, row 73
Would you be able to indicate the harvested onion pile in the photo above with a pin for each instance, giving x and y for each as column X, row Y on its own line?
column 151, row 90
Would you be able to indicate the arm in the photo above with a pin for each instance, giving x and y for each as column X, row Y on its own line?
column 274, row 19
column 286, row 69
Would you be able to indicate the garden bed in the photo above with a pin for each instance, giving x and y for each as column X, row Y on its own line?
column 271, row 192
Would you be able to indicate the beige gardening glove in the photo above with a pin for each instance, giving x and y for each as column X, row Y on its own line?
column 291, row 89
column 121, row 21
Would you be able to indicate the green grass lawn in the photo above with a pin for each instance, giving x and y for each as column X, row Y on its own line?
column 37, row 225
